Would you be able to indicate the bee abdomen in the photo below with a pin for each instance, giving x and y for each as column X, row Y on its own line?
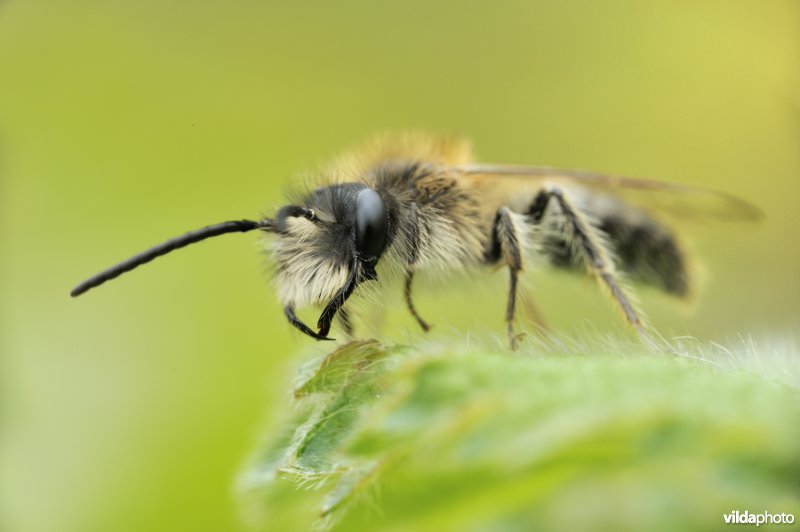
column 646, row 250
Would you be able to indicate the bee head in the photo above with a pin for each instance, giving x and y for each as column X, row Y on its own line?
column 326, row 247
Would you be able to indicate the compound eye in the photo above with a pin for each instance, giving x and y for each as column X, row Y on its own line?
column 371, row 224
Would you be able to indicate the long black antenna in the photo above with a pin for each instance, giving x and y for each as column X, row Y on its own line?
column 192, row 237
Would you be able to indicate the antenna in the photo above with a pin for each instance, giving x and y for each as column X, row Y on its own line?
column 192, row 237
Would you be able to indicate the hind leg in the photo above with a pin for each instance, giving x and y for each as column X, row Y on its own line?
column 588, row 242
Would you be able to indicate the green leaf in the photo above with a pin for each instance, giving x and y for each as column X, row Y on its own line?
column 458, row 438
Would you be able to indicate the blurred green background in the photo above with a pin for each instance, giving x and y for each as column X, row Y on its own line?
column 123, row 123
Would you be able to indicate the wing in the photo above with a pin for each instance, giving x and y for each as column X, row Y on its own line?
column 677, row 200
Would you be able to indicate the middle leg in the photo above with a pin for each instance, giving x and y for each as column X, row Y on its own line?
column 506, row 244
column 413, row 256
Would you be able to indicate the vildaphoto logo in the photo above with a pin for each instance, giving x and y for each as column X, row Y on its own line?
column 764, row 518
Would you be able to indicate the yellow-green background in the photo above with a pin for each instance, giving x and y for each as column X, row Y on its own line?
column 123, row 123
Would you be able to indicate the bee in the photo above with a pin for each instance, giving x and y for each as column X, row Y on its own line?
column 414, row 202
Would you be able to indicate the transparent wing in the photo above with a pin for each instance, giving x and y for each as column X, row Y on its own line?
column 677, row 200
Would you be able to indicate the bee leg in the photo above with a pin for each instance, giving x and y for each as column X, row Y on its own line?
column 507, row 241
column 413, row 256
column 288, row 311
column 410, row 304
column 588, row 242
column 338, row 300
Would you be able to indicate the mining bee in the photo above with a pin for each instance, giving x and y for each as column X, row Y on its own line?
column 411, row 202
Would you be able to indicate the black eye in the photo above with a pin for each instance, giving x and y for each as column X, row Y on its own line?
column 371, row 224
